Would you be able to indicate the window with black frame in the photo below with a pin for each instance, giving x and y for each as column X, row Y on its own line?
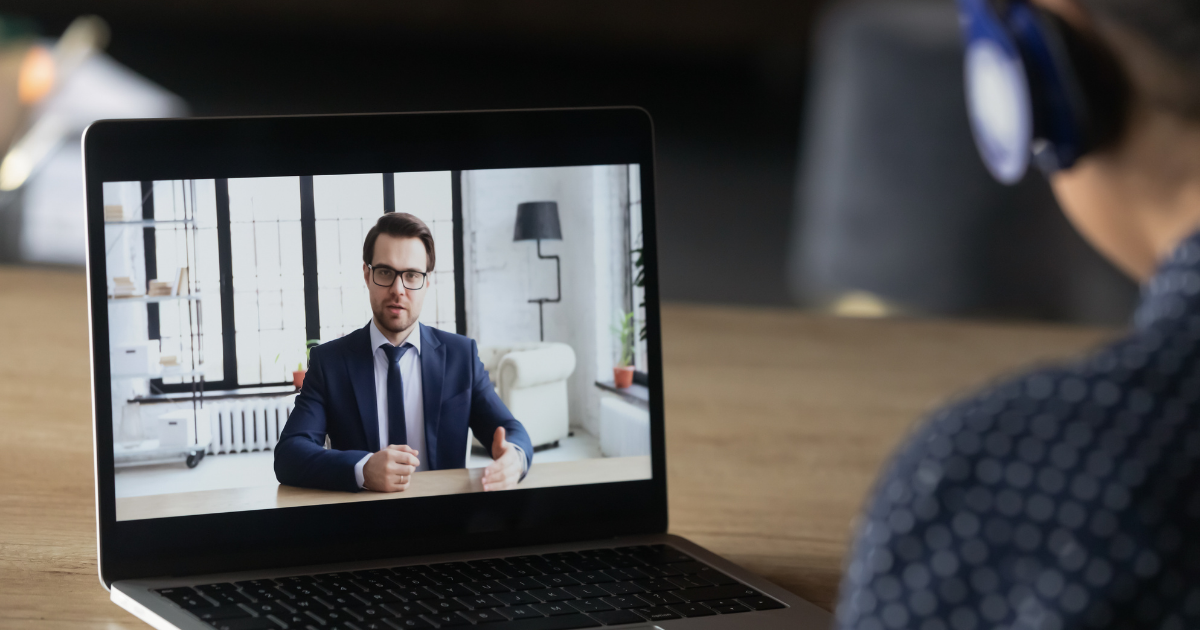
column 345, row 208
column 275, row 264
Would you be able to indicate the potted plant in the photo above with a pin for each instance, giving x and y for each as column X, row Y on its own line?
column 639, row 280
column 623, row 370
column 298, row 374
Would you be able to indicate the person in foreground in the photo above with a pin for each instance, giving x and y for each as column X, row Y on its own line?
column 1070, row 497
column 396, row 397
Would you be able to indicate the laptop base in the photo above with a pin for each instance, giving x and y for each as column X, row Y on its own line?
column 142, row 597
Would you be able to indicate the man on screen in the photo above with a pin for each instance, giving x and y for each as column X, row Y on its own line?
column 396, row 397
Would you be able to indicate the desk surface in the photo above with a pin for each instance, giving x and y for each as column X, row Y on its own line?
column 430, row 483
column 774, row 430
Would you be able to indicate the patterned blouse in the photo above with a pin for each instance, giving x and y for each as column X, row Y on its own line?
column 1065, row 498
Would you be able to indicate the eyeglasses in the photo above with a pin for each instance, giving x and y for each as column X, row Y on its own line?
column 386, row 277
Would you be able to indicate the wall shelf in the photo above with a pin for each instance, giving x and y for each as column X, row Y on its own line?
column 154, row 299
column 142, row 266
column 636, row 394
column 148, row 222
column 166, row 373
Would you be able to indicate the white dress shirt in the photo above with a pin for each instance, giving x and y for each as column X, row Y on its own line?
column 414, row 400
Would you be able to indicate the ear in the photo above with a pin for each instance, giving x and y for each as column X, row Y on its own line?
column 367, row 275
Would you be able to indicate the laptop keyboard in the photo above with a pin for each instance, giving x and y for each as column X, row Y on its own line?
column 554, row 591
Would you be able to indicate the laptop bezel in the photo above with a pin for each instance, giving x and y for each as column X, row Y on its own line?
column 202, row 148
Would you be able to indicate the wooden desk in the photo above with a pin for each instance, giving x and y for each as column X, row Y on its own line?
column 777, row 422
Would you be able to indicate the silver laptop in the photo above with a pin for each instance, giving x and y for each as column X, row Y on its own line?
column 394, row 371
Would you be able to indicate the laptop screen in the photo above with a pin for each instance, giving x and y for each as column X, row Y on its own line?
column 290, row 341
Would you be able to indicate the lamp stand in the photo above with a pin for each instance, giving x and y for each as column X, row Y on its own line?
column 541, row 301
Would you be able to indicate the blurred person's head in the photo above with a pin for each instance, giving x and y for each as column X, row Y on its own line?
column 1139, row 196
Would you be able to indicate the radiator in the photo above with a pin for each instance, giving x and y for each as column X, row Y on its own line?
column 242, row 425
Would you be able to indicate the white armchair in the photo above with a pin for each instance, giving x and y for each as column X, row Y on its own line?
column 531, row 379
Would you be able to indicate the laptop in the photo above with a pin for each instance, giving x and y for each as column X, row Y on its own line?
column 376, row 372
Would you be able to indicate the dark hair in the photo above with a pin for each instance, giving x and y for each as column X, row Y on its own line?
column 402, row 225
column 1173, row 28
column 1173, row 25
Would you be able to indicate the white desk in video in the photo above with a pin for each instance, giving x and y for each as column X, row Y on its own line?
column 424, row 484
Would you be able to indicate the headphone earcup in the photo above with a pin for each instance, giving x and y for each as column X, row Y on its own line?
column 1049, row 89
column 999, row 102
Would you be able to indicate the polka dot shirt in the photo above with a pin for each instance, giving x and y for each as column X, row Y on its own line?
column 1066, row 498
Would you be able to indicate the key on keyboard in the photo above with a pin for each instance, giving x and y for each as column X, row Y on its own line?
column 185, row 597
column 217, row 613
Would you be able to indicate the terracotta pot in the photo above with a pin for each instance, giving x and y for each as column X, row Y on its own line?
column 298, row 378
column 623, row 376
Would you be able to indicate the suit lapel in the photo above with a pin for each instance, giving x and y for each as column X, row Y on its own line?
column 362, row 377
column 433, row 369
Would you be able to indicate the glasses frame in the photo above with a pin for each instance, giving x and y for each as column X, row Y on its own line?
column 424, row 278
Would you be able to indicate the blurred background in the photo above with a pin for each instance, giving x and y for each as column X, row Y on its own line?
column 810, row 153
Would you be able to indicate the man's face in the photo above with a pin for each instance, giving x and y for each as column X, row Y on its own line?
column 396, row 308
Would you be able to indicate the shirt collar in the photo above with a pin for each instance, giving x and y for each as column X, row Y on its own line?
column 377, row 338
column 1174, row 291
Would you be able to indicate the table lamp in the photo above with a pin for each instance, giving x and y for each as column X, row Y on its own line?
column 538, row 221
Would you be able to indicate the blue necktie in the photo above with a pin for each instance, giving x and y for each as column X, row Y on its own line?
column 397, row 431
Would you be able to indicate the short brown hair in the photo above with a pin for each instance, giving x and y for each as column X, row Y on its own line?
column 401, row 225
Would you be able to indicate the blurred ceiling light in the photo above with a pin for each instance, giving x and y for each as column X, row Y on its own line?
column 41, row 72
column 33, row 147
column 86, row 35
column 36, row 76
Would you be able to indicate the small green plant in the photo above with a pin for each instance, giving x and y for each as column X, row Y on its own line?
column 625, row 335
column 308, row 346
column 639, row 280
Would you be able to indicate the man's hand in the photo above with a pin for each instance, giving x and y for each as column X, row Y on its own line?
column 505, row 472
column 391, row 469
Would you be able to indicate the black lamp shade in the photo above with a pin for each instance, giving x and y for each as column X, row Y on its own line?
column 537, row 220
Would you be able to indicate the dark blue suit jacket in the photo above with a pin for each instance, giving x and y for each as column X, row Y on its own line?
column 338, row 400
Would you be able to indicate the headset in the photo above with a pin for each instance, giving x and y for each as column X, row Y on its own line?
column 1037, row 88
